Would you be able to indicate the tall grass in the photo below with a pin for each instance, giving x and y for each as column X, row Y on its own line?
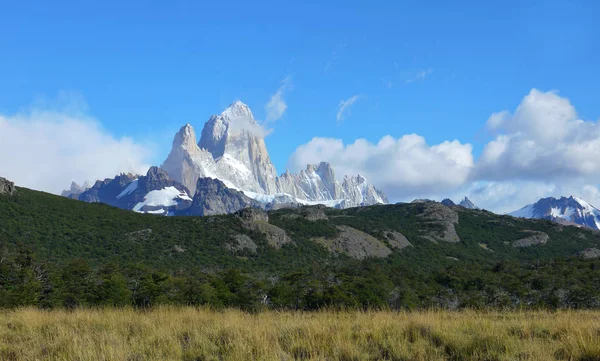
column 199, row 334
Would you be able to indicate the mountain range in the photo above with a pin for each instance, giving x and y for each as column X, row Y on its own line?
column 231, row 154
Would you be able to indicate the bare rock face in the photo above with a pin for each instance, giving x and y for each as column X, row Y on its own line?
column 258, row 220
column 397, row 239
column 241, row 242
column 276, row 237
column 253, row 215
column 213, row 197
column 535, row 238
column 314, row 213
column 356, row 244
column 7, row 187
column 187, row 162
column 441, row 217
column 589, row 253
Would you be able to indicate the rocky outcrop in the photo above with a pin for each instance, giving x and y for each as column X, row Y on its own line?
column 253, row 215
column 258, row 220
column 397, row 240
column 438, row 222
column 355, row 244
column 534, row 239
column 589, row 253
column 314, row 213
column 7, row 187
column 242, row 242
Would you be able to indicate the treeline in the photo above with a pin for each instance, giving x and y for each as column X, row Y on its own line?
column 561, row 283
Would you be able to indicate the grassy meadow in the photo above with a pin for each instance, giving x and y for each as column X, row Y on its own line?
column 180, row 333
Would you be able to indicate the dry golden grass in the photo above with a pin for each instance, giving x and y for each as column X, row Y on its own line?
column 198, row 334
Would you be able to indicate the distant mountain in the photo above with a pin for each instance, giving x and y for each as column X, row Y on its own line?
column 232, row 149
column 573, row 210
column 448, row 202
column 466, row 203
column 156, row 193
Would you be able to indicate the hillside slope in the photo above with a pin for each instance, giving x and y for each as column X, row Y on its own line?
column 392, row 246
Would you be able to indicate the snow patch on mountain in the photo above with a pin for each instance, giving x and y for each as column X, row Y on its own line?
column 166, row 197
column 130, row 188
column 287, row 198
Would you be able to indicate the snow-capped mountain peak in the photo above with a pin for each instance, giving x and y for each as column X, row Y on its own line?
column 240, row 160
column 237, row 109
column 572, row 209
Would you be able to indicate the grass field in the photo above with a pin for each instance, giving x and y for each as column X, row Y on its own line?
column 200, row 334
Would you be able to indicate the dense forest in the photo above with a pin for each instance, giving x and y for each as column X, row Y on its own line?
column 58, row 252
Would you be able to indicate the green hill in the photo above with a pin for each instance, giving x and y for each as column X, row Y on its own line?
column 56, row 251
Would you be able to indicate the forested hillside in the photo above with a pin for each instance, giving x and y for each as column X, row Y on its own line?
column 57, row 252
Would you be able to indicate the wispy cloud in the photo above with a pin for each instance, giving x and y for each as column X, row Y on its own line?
column 277, row 106
column 344, row 107
column 419, row 75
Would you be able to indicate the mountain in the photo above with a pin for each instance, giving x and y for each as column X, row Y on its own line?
column 573, row 210
column 213, row 197
column 153, row 193
column 157, row 193
column 466, row 203
column 448, row 202
column 75, row 190
column 232, row 149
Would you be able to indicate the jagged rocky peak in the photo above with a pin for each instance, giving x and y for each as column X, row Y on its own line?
column 74, row 190
column 213, row 197
column 185, row 137
column 448, row 202
column 236, row 143
column 466, row 203
column 7, row 187
column 220, row 127
column 155, row 174
column 186, row 161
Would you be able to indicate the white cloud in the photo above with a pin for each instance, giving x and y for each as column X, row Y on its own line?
column 48, row 149
column 540, row 150
column 400, row 167
column 419, row 75
column 496, row 120
column 344, row 107
column 277, row 106
column 239, row 124
column 542, row 140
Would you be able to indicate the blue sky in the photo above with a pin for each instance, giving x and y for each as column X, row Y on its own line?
column 431, row 68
